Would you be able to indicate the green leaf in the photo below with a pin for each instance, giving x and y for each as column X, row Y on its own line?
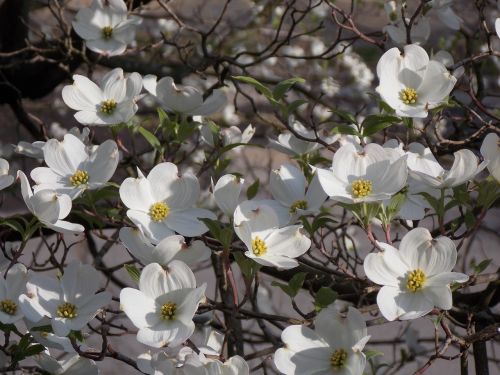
column 253, row 189
column 479, row 268
column 396, row 203
column 373, row 353
column 150, row 137
column 282, row 87
column 33, row 350
column 293, row 287
column 213, row 226
column 258, row 86
column 345, row 116
column 324, row 297
column 374, row 123
column 133, row 272
column 345, row 129
column 247, row 266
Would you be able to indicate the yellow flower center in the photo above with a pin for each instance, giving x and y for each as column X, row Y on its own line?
column 408, row 95
column 259, row 247
column 415, row 280
column 298, row 205
column 338, row 359
column 8, row 306
column 108, row 106
column 361, row 188
column 168, row 310
column 67, row 310
column 159, row 211
column 79, row 178
column 107, row 32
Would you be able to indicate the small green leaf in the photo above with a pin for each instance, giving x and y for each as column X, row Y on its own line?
column 258, row 86
column 479, row 268
column 247, row 266
column 372, row 353
column 253, row 189
column 374, row 123
column 293, row 106
column 282, row 87
column 293, row 287
column 324, row 297
column 346, row 129
column 345, row 116
column 213, row 226
column 150, row 137
column 133, row 272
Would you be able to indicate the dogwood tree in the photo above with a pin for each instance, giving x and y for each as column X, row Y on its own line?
column 235, row 187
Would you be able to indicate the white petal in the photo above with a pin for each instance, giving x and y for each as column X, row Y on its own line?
column 140, row 309
column 136, row 193
column 103, row 162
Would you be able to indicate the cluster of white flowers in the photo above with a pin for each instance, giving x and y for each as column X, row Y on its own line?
column 165, row 228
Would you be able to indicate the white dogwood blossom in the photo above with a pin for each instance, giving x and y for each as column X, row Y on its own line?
column 465, row 167
column 164, row 306
column 411, row 83
column 490, row 149
column 11, row 287
column 289, row 187
column 5, row 179
column 186, row 100
column 335, row 346
column 417, row 277
column 70, row 302
column 363, row 174
column 170, row 248
column 269, row 244
column 111, row 103
column 106, row 27
column 74, row 167
column 164, row 202
column 49, row 207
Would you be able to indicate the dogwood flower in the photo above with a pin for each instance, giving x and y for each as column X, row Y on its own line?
column 5, row 179
column 164, row 306
column 288, row 143
column 113, row 102
column 70, row 302
column 465, row 167
column 335, row 346
column 186, row 100
column 70, row 365
column 490, row 149
column 446, row 13
column 415, row 278
column 227, row 192
column 288, row 187
column 368, row 174
column 11, row 288
column 168, row 249
column 106, row 27
column 269, row 244
column 163, row 203
column 411, row 83
column 49, row 207
column 73, row 167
